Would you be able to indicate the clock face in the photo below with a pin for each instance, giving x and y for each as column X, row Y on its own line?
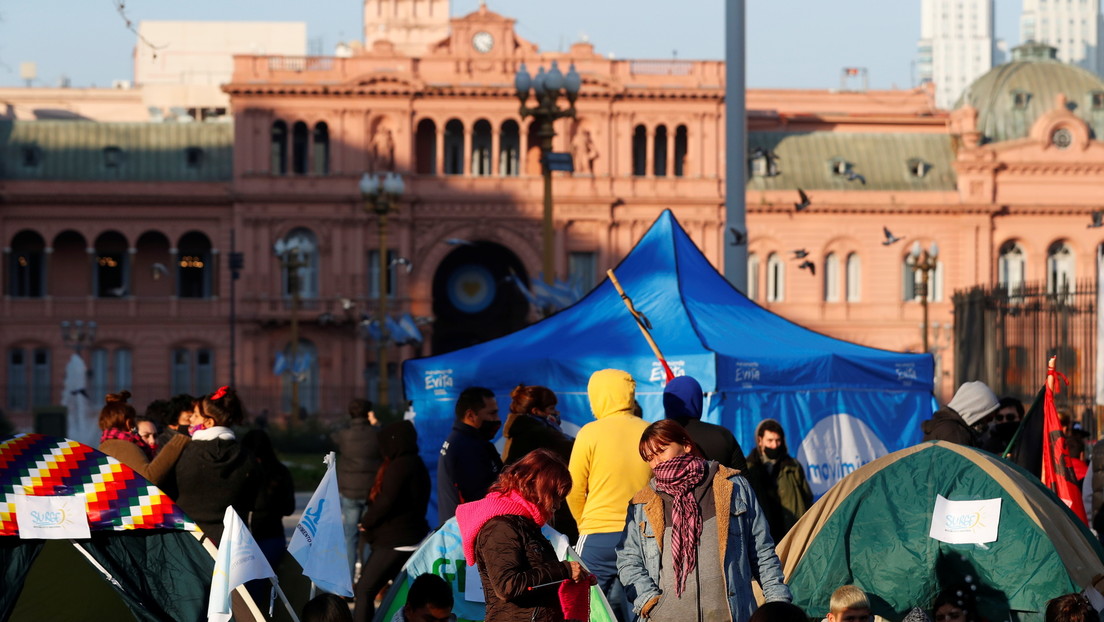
column 482, row 42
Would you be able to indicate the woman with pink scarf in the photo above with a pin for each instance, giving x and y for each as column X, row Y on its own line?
column 522, row 577
column 695, row 537
column 121, row 441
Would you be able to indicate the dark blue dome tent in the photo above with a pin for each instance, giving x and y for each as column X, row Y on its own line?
column 841, row 404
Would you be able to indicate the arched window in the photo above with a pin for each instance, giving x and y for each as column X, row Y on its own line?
column 854, row 278
column 278, row 148
column 304, row 372
column 299, row 148
column 509, row 149
column 111, row 275
column 320, row 156
column 680, row 151
column 831, row 278
column 1060, row 269
column 193, row 276
column 640, row 151
column 753, row 276
column 776, row 278
column 305, row 240
column 659, row 155
column 1011, row 267
column 481, row 148
column 27, row 266
column 425, row 150
column 454, row 147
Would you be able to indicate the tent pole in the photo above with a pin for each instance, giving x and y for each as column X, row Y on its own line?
column 640, row 323
column 97, row 566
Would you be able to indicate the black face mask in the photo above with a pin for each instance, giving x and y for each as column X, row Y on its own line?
column 774, row 453
column 489, row 429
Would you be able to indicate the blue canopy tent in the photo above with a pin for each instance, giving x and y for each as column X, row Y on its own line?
column 841, row 404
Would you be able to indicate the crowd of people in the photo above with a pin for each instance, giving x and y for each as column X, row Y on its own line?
column 671, row 520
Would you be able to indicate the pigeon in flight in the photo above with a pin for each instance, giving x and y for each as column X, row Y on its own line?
column 402, row 261
column 804, row 201
column 738, row 237
column 807, row 265
column 853, row 176
column 458, row 242
column 1098, row 220
column 800, row 253
column 889, row 237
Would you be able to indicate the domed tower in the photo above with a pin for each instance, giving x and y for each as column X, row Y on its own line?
column 1009, row 99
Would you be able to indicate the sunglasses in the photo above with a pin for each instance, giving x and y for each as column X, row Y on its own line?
column 1011, row 418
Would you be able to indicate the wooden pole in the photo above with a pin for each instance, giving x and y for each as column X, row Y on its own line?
column 641, row 323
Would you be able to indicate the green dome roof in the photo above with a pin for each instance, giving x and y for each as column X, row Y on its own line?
column 1009, row 98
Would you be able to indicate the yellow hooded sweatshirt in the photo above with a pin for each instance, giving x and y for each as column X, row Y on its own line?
column 606, row 467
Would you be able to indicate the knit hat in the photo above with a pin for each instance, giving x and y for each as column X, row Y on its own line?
column 974, row 401
column 682, row 398
column 916, row 614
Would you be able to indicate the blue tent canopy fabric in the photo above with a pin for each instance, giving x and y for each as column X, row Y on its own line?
column 751, row 363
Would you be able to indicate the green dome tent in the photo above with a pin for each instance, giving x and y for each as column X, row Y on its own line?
column 872, row 530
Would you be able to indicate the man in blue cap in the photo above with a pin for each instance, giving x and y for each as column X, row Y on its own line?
column 682, row 401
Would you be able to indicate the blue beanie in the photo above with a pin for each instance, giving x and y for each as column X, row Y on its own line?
column 682, row 398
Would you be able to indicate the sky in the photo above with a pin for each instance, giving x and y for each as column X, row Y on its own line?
column 790, row 43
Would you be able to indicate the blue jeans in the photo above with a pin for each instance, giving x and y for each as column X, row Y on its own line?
column 351, row 511
column 598, row 552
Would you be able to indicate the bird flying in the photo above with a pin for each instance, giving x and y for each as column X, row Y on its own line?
column 853, row 176
column 738, row 237
column 889, row 237
column 807, row 265
column 800, row 253
column 804, row 201
column 458, row 242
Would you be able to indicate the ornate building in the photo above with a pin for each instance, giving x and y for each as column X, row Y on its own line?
column 133, row 225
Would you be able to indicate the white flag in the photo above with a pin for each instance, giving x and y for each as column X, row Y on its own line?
column 239, row 560
column 318, row 543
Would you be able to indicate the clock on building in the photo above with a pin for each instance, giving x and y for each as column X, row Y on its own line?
column 482, row 41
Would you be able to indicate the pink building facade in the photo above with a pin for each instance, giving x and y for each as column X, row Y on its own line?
column 132, row 225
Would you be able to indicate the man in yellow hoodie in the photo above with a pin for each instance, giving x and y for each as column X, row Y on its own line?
column 606, row 471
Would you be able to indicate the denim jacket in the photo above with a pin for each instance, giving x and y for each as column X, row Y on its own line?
column 747, row 551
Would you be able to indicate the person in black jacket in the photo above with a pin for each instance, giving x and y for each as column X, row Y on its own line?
column 395, row 516
column 469, row 463
column 357, row 463
column 214, row 470
column 275, row 500
column 682, row 401
column 971, row 405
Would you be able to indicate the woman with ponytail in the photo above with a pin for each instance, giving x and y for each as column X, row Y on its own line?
column 396, row 514
column 669, row 555
column 120, row 440
column 215, row 471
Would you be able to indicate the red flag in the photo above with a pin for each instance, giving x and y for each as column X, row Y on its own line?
column 1058, row 473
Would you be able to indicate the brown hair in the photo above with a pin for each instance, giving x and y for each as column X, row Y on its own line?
column 541, row 478
column 526, row 399
column 663, row 433
column 1071, row 608
column 117, row 413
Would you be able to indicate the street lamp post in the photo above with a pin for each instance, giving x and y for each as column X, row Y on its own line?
column 924, row 260
column 381, row 195
column 291, row 254
column 79, row 334
column 547, row 87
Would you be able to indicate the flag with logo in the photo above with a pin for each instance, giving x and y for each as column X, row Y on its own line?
column 239, row 560
column 318, row 543
column 1058, row 472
